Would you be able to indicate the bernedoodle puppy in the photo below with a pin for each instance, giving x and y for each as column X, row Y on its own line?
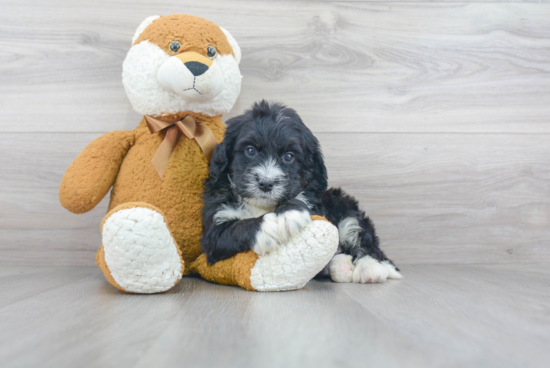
column 266, row 179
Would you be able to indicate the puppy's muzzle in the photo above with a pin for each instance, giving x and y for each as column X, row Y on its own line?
column 195, row 62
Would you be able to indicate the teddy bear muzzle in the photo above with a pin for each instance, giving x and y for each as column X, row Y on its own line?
column 191, row 76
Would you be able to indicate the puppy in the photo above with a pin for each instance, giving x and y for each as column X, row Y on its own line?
column 266, row 179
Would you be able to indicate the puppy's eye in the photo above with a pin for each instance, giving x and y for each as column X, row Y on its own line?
column 211, row 52
column 288, row 157
column 250, row 151
column 175, row 46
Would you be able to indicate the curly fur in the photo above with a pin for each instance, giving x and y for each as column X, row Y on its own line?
column 255, row 199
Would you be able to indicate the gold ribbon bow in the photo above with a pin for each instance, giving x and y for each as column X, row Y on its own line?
column 174, row 130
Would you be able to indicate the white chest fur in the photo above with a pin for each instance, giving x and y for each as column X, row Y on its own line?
column 242, row 211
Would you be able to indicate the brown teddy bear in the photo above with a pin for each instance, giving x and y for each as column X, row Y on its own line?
column 182, row 74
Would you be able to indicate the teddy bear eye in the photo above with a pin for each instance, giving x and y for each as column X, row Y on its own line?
column 211, row 52
column 174, row 46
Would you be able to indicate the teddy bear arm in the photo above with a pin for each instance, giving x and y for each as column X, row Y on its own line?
column 289, row 267
column 93, row 172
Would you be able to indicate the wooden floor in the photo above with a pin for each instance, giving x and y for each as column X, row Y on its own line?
column 439, row 315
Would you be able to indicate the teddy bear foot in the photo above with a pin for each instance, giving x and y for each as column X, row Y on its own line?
column 138, row 254
column 292, row 265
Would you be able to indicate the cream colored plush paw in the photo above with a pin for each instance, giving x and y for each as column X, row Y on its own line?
column 140, row 252
column 291, row 265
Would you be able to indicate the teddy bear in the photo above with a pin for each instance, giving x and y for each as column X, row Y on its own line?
column 182, row 74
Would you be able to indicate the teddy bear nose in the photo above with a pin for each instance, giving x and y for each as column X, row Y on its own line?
column 196, row 68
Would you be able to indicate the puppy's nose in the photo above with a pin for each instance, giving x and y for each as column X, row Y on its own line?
column 266, row 184
column 196, row 68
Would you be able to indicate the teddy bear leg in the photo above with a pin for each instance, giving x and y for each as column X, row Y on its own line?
column 289, row 267
column 232, row 271
column 138, row 253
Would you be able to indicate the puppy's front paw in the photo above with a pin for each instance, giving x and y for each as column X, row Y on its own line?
column 341, row 268
column 291, row 223
column 277, row 229
column 369, row 270
column 268, row 237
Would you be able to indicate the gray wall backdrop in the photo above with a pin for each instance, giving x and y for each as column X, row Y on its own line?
column 434, row 114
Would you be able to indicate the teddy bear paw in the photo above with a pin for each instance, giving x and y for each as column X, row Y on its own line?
column 140, row 252
column 291, row 265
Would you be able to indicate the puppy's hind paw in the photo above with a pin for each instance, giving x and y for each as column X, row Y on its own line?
column 369, row 270
column 341, row 268
column 393, row 273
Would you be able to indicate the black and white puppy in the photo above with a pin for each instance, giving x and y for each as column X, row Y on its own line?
column 266, row 179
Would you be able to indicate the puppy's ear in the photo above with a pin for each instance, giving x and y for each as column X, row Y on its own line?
column 316, row 172
column 223, row 153
column 219, row 164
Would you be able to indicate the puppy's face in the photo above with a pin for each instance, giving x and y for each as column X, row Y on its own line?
column 267, row 162
column 272, row 156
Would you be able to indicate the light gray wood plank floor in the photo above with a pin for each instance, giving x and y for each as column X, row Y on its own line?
column 438, row 316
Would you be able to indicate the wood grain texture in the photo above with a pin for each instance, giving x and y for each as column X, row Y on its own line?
column 435, row 198
column 102, row 321
column 475, row 315
column 346, row 66
column 449, row 198
column 34, row 228
column 438, row 316
column 20, row 283
column 451, row 101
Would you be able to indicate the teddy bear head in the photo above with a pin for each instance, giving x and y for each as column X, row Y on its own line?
column 181, row 63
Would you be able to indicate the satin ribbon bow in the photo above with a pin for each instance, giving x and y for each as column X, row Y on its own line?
column 174, row 130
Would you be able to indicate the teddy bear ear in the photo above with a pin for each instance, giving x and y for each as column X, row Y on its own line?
column 234, row 45
column 144, row 25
